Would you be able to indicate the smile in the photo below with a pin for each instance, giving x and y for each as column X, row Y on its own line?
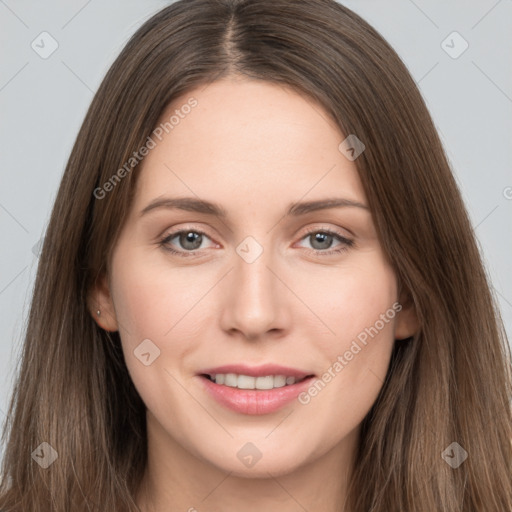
column 254, row 390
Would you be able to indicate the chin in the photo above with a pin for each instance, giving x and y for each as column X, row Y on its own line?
column 249, row 461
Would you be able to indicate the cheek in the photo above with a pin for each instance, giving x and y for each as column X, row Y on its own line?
column 147, row 306
column 149, row 300
column 360, row 312
column 160, row 311
column 350, row 300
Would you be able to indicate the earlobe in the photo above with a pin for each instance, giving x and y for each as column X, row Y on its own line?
column 406, row 322
column 101, row 306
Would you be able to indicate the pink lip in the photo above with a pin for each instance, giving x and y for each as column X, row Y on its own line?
column 257, row 371
column 255, row 401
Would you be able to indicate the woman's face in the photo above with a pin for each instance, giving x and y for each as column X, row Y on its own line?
column 274, row 288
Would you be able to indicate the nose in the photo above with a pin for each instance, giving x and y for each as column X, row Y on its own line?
column 255, row 299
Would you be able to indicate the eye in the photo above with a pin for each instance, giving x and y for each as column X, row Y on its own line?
column 190, row 240
column 322, row 239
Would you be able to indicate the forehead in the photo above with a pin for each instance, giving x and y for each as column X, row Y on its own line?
column 249, row 141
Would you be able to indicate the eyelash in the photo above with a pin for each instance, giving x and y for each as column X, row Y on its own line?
column 164, row 242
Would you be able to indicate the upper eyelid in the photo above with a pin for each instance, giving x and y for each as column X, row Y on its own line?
column 332, row 231
column 172, row 234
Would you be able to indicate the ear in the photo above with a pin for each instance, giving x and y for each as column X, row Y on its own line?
column 406, row 321
column 100, row 299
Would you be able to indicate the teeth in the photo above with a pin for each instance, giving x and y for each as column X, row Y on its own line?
column 279, row 381
column 264, row 382
column 230, row 380
column 247, row 382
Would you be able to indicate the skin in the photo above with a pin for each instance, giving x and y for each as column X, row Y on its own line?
column 254, row 148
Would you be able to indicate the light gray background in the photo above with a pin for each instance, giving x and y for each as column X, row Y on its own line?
column 43, row 102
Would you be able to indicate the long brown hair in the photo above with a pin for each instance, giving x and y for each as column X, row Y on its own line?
column 449, row 383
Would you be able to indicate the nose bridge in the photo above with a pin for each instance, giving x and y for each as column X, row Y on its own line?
column 254, row 279
column 255, row 300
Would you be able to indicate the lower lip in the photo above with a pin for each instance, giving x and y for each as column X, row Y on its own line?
column 255, row 401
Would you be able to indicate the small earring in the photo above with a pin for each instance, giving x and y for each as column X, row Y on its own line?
column 98, row 312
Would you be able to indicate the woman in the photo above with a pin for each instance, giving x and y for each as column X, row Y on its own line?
column 259, row 287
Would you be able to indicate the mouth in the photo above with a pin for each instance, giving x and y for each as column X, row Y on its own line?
column 254, row 390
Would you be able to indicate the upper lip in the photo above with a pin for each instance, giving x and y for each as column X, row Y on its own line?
column 257, row 371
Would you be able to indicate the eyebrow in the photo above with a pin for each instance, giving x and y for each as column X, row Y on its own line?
column 193, row 204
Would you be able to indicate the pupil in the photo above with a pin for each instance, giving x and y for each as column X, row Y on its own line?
column 191, row 238
column 322, row 238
